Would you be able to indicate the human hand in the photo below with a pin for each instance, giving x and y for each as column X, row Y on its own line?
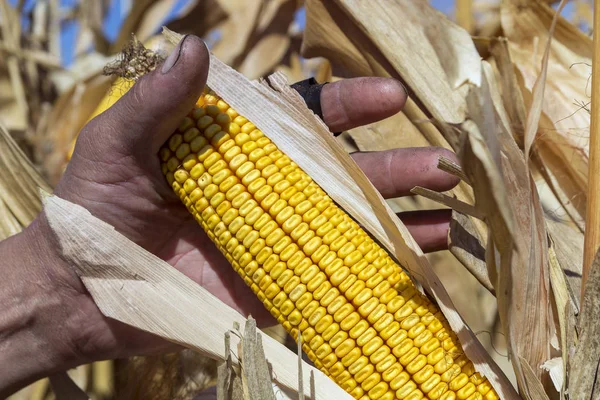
column 115, row 174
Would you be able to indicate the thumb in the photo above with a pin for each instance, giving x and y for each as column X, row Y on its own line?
column 144, row 118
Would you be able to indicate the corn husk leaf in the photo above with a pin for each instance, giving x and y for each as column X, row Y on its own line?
column 513, row 212
column 137, row 288
column 466, row 246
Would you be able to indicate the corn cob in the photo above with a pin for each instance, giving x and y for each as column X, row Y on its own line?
column 362, row 321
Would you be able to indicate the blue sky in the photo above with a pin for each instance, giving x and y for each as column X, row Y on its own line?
column 117, row 12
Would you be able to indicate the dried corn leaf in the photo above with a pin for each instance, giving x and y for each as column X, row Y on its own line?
column 464, row 15
column 465, row 245
column 137, row 288
column 442, row 55
column 394, row 132
column 68, row 116
column 508, row 197
column 517, row 115
column 197, row 17
column 563, row 132
column 567, row 244
column 12, row 88
column 132, row 22
column 535, row 111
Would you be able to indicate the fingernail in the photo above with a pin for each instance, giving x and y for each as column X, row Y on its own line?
column 403, row 86
column 172, row 59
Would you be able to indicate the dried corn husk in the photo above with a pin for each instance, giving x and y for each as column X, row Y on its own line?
column 563, row 133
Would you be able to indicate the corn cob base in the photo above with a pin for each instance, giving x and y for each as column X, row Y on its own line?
column 362, row 321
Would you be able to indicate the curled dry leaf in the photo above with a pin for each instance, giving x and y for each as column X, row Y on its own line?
column 508, row 196
column 563, row 132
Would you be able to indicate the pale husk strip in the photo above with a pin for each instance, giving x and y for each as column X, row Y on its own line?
column 306, row 139
column 535, row 111
column 135, row 287
column 507, row 195
column 442, row 55
column 453, row 168
column 563, row 140
column 448, row 201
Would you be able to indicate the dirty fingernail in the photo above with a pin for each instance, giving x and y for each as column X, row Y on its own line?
column 172, row 59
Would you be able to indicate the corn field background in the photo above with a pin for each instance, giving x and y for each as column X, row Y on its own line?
column 52, row 54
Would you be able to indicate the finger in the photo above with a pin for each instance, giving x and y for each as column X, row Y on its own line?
column 349, row 103
column 395, row 172
column 144, row 118
column 429, row 228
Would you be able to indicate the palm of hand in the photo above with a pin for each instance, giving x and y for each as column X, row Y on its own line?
column 138, row 203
